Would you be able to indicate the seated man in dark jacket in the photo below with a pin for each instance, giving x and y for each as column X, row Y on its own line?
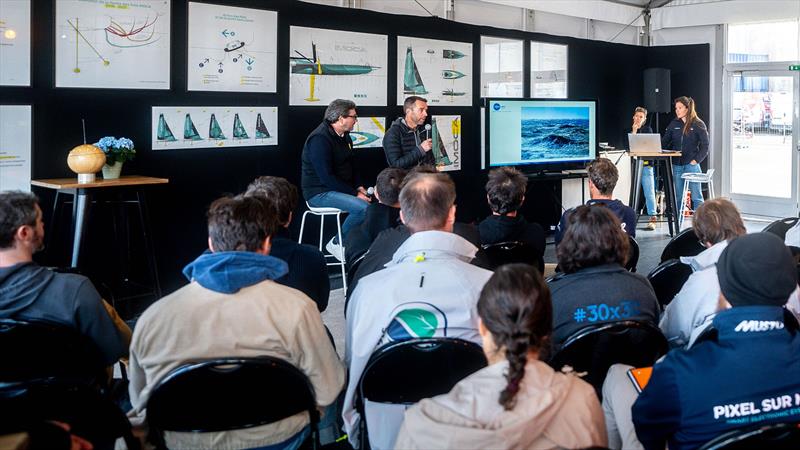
column 403, row 142
column 505, row 192
column 746, row 373
column 380, row 215
column 594, row 287
column 308, row 271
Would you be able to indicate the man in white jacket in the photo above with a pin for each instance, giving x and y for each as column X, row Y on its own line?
column 429, row 289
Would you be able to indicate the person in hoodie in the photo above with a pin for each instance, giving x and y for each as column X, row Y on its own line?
column 233, row 307
column 505, row 192
column 29, row 291
column 517, row 401
column 429, row 279
column 689, row 135
column 402, row 142
column 308, row 271
column 594, row 286
column 603, row 176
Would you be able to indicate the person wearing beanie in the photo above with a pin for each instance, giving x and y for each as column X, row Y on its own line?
column 745, row 370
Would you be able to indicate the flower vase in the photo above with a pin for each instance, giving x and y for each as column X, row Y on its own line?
column 111, row 172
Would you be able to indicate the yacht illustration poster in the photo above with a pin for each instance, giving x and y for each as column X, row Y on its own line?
column 368, row 132
column 175, row 127
column 446, row 136
column 440, row 71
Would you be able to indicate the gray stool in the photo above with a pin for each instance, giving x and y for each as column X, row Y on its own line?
column 695, row 178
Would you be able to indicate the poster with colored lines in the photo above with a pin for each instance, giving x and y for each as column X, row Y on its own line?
column 15, row 43
column 113, row 44
column 15, row 147
column 368, row 132
column 446, row 136
column 440, row 71
column 232, row 49
column 176, row 127
column 327, row 64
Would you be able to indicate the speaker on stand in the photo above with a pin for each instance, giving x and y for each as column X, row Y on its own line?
column 657, row 95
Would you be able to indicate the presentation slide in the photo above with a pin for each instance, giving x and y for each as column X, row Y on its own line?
column 541, row 132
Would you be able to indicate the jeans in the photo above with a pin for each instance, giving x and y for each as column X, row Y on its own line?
column 694, row 188
column 648, row 186
column 327, row 432
column 354, row 206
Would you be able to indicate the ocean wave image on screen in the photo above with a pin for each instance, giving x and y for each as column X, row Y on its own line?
column 555, row 134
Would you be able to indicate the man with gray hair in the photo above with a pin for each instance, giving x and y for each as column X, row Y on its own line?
column 429, row 289
column 327, row 172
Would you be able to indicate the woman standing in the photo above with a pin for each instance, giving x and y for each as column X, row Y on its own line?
column 689, row 135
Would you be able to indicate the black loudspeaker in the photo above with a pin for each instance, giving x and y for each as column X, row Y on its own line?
column 657, row 96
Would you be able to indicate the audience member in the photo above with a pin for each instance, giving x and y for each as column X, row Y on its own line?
column 518, row 401
column 29, row 291
column 603, row 176
column 308, row 271
column 327, row 169
column 747, row 373
column 233, row 308
column 380, row 215
column 594, row 286
column 429, row 278
column 505, row 192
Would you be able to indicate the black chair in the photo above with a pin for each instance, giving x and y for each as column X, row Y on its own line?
column 777, row 436
column 667, row 280
column 684, row 244
column 406, row 372
column 510, row 252
column 595, row 348
column 780, row 227
column 230, row 394
column 633, row 254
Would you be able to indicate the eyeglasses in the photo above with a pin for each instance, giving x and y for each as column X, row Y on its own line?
column 354, row 116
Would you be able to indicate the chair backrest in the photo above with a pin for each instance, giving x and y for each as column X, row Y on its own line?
column 511, row 252
column 31, row 350
column 595, row 348
column 633, row 254
column 777, row 436
column 781, row 226
column 228, row 394
column 408, row 371
column 667, row 280
column 684, row 243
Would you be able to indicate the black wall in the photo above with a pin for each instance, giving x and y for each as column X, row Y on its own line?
column 609, row 73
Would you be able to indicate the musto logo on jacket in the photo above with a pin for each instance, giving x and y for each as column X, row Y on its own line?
column 415, row 320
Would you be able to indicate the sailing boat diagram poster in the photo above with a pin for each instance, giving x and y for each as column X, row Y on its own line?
column 116, row 44
column 15, row 43
column 440, row 71
column 368, row 132
column 15, row 147
column 327, row 64
column 213, row 126
column 446, row 136
column 232, row 49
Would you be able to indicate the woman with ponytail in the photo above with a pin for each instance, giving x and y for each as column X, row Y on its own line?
column 517, row 401
column 689, row 135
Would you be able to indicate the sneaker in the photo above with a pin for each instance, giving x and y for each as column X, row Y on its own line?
column 651, row 225
column 336, row 250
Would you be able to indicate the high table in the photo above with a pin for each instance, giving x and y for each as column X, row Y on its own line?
column 637, row 160
column 82, row 199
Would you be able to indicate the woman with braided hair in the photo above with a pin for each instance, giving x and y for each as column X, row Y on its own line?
column 517, row 401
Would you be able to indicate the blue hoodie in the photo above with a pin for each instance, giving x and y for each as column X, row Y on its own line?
column 227, row 272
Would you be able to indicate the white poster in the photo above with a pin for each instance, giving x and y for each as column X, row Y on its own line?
column 15, row 147
column 15, row 43
column 213, row 126
column 232, row 49
column 117, row 44
column 440, row 71
column 368, row 132
column 446, row 135
column 326, row 64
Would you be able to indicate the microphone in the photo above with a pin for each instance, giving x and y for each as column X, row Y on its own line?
column 427, row 129
column 371, row 192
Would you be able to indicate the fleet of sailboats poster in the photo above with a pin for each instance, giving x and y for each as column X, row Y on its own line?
column 213, row 126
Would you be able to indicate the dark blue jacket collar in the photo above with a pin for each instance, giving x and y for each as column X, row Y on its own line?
column 227, row 272
column 744, row 322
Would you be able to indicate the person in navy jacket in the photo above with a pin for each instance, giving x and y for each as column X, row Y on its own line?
column 648, row 183
column 689, row 135
column 746, row 372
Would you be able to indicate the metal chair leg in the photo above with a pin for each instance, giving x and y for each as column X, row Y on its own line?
column 302, row 225
column 341, row 243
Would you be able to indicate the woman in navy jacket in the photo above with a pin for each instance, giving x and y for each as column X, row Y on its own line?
column 688, row 134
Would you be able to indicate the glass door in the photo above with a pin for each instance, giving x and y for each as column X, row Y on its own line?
column 763, row 143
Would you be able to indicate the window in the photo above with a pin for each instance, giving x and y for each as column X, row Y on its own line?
column 548, row 70
column 501, row 67
column 763, row 42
